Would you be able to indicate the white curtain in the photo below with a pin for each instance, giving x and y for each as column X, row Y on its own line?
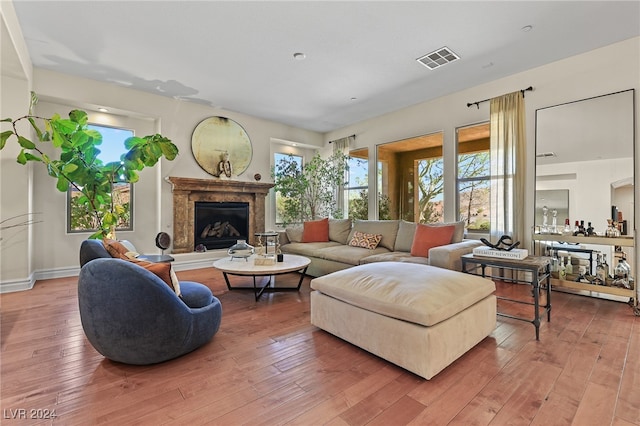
column 342, row 145
column 508, row 143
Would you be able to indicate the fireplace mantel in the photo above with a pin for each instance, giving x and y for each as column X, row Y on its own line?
column 187, row 191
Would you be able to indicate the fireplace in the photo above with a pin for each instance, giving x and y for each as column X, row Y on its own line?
column 219, row 224
column 189, row 191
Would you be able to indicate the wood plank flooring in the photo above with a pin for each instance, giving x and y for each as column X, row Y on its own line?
column 269, row 366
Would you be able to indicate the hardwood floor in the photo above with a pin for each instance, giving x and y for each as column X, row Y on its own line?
column 267, row 365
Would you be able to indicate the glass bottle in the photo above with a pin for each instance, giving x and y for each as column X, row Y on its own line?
column 576, row 229
column 621, row 275
column 567, row 227
column 626, row 265
column 569, row 267
column 554, row 222
column 545, row 220
column 590, row 229
column 562, row 272
column 601, row 275
column 612, row 231
column 605, row 265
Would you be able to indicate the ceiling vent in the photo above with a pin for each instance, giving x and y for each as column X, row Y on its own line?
column 438, row 58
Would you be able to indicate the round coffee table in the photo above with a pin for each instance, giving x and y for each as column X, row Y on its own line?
column 247, row 267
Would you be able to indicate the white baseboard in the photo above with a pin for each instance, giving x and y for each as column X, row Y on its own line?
column 17, row 285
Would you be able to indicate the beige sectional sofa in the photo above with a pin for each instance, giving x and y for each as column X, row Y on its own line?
column 395, row 246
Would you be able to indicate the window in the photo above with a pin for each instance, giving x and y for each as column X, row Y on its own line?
column 356, row 191
column 283, row 202
column 474, row 177
column 111, row 149
column 411, row 180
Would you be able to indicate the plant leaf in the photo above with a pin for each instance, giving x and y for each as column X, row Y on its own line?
column 25, row 143
column 22, row 158
column 62, row 184
column 4, row 136
column 69, row 168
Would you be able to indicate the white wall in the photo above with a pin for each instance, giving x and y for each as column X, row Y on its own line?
column 16, row 266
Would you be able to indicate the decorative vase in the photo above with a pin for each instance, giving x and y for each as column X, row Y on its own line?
column 240, row 250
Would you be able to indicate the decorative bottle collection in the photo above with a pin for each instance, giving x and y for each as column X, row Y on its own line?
column 616, row 226
column 575, row 268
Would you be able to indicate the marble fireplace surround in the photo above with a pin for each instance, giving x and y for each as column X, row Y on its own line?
column 186, row 191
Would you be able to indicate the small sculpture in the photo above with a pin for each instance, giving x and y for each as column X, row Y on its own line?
column 224, row 166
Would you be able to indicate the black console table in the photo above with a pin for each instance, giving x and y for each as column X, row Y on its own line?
column 539, row 268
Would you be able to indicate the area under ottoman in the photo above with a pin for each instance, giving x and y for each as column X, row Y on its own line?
column 419, row 317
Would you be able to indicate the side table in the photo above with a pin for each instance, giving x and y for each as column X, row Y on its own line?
column 539, row 268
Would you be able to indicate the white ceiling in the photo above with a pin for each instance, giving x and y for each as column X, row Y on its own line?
column 360, row 56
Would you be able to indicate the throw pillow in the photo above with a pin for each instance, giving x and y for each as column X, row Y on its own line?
column 115, row 248
column 387, row 228
column 364, row 240
column 162, row 270
column 315, row 231
column 427, row 237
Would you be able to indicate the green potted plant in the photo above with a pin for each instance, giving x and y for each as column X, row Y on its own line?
column 78, row 164
column 310, row 192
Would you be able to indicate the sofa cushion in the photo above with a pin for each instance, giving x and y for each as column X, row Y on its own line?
column 347, row 254
column 339, row 230
column 428, row 237
column 309, row 249
column 420, row 294
column 404, row 239
column 364, row 240
column 294, row 233
column 387, row 228
column 315, row 231
column 458, row 233
column 395, row 256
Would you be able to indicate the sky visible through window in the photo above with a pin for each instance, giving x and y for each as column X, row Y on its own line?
column 112, row 146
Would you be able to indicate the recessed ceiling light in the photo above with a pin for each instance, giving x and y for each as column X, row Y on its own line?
column 299, row 56
column 354, row 98
column 527, row 28
column 103, row 110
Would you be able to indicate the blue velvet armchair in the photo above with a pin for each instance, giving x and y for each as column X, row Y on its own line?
column 131, row 316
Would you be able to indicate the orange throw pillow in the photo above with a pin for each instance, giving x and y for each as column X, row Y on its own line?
column 315, row 231
column 427, row 237
column 162, row 270
column 115, row 248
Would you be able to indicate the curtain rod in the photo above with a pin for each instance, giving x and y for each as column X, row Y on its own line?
column 477, row 104
column 350, row 136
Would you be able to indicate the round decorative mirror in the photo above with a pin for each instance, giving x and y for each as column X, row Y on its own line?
column 221, row 147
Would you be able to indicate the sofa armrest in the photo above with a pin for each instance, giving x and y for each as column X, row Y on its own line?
column 448, row 256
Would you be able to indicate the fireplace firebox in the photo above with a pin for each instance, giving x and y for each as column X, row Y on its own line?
column 220, row 224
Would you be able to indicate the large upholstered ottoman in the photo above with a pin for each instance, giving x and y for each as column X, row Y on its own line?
column 419, row 317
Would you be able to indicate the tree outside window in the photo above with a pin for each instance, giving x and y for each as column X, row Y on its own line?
column 286, row 206
column 474, row 178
